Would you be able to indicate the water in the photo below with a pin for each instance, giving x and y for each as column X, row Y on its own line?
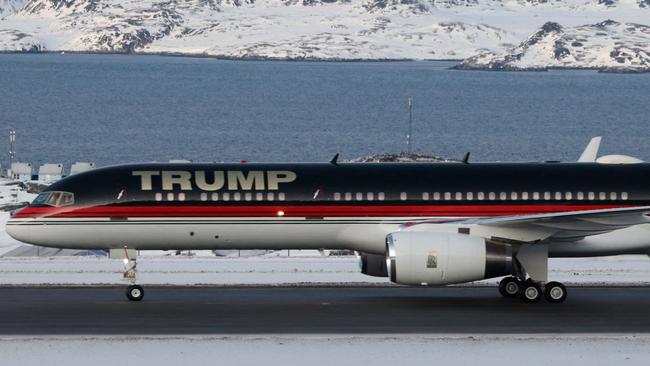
column 114, row 109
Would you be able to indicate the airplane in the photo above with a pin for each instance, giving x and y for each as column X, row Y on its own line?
column 419, row 224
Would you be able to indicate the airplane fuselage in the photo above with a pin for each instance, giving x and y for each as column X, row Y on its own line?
column 308, row 205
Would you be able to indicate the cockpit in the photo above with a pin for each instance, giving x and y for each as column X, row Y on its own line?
column 54, row 199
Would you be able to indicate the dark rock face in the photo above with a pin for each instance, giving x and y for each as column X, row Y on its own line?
column 608, row 3
column 547, row 29
column 560, row 51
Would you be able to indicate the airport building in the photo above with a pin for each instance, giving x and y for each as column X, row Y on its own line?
column 50, row 172
column 21, row 171
column 79, row 167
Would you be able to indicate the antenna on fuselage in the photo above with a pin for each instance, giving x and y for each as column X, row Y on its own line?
column 465, row 158
column 335, row 159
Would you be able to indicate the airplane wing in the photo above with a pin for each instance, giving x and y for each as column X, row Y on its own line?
column 568, row 226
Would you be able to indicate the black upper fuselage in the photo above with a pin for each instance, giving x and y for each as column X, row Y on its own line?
column 361, row 184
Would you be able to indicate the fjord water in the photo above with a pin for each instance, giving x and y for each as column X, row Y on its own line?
column 114, row 109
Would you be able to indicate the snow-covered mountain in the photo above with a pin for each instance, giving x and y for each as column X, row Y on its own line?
column 604, row 45
column 304, row 29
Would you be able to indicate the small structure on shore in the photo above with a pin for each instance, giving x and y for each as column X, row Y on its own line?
column 20, row 171
column 79, row 167
column 50, row 172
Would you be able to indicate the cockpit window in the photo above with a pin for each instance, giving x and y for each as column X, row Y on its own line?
column 54, row 199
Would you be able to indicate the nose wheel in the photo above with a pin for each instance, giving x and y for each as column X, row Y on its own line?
column 134, row 292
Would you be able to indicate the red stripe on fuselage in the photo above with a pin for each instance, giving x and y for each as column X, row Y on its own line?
column 304, row 211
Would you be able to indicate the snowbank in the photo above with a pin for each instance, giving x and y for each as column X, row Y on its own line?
column 280, row 271
column 342, row 350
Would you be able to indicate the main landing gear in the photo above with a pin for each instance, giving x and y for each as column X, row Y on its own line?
column 531, row 261
column 531, row 291
column 134, row 292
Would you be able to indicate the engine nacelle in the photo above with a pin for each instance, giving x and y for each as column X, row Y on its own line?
column 432, row 259
column 373, row 264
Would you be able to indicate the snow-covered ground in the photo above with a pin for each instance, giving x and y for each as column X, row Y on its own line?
column 280, row 271
column 307, row 29
column 341, row 350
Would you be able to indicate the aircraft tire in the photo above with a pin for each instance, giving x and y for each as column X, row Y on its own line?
column 555, row 292
column 531, row 292
column 510, row 287
column 134, row 293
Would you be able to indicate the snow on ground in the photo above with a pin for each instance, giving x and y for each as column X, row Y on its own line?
column 292, row 29
column 280, row 271
column 341, row 350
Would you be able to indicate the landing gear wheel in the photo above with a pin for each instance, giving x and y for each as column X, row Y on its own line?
column 555, row 292
column 510, row 287
column 134, row 293
column 532, row 292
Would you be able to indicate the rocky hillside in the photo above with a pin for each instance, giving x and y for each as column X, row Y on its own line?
column 605, row 45
column 322, row 29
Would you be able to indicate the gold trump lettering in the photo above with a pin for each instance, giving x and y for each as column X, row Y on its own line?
column 214, row 180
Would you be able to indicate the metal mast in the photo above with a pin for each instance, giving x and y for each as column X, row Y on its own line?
column 12, row 151
column 408, row 136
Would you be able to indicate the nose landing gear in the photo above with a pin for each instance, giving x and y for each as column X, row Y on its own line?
column 134, row 292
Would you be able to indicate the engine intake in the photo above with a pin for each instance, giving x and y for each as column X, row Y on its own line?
column 432, row 259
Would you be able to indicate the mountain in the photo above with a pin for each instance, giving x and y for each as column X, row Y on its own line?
column 606, row 45
column 303, row 29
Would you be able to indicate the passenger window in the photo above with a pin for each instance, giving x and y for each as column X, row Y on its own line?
column 602, row 196
column 568, row 195
column 204, row 196
column 492, row 196
column 381, row 196
column 612, row 196
column 236, row 196
column 624, row 196
column 371, row 196
column 337, row 196
column 481, row 196
column 215, row 196
column 181, row 196
column 580, row 196
column 281, row 196
column 158, row 197
column 436, row 196
column 591, row 196
column 547, row 195
column 536, row 196
column 470, row 196
column 248, row 196
column 271, row 196
column 225, row 196
column 447, row 196
column 170, row 196
column 359, row 196
column 558, row 196
column 348, row 196
column 425, row 196
column 513, row 196
column 259, row 196
column 503, row 196
column 403, row 196
column 459, row 196
column 524, row 196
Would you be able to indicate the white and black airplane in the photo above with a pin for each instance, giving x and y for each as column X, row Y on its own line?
column 420, row 224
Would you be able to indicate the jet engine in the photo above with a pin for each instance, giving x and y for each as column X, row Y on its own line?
column 373, row 264
column 431, row 259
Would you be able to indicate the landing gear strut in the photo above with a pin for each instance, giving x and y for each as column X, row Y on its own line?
column 134, row 292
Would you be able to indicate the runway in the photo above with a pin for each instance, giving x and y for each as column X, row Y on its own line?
column 310, row 310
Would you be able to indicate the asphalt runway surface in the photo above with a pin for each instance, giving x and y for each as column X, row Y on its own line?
column 311, row 310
